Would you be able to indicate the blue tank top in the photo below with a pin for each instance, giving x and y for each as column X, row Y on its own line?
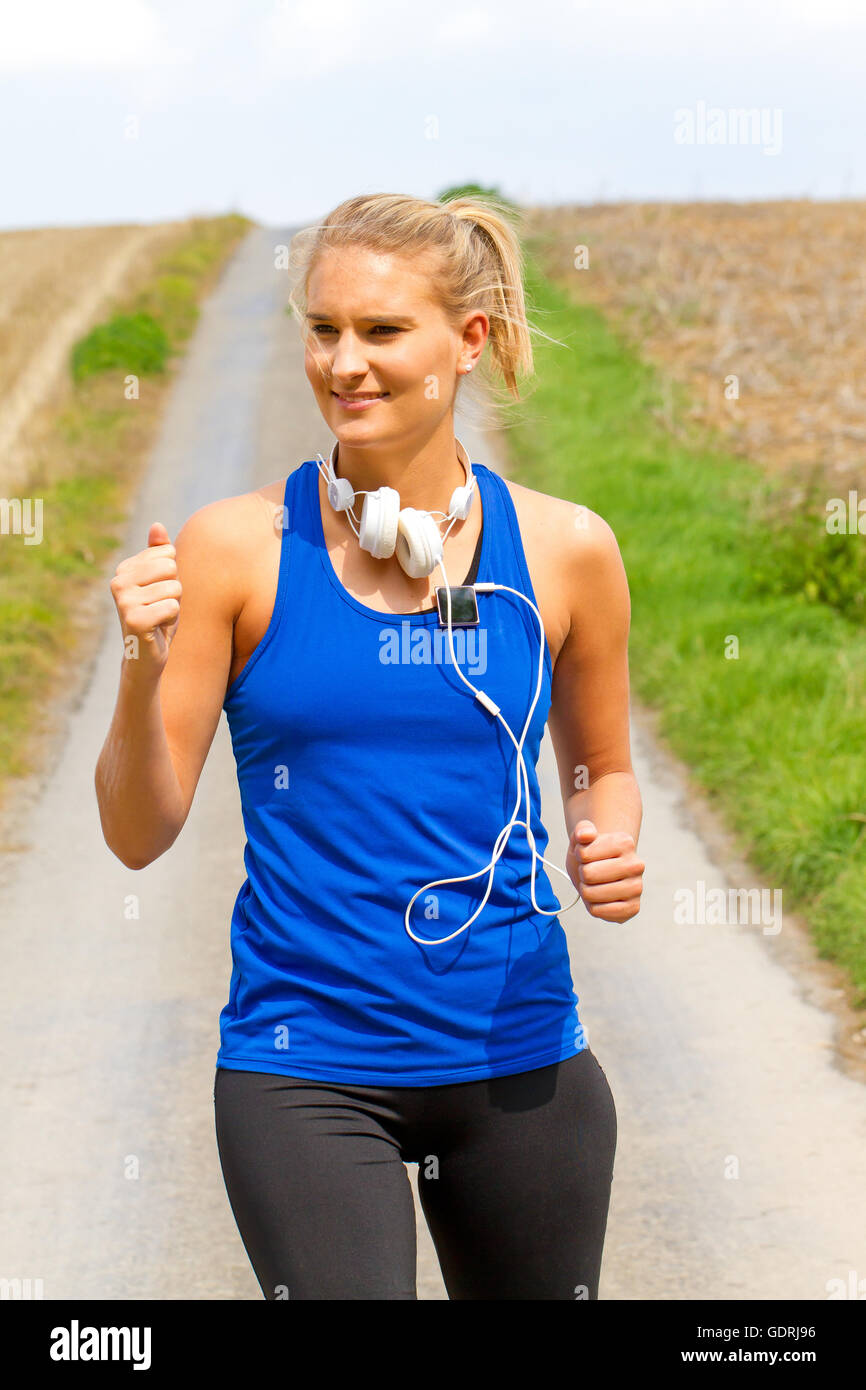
column 367, row 769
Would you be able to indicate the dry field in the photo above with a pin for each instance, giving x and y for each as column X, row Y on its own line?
column 55, row 283
column 773, row 294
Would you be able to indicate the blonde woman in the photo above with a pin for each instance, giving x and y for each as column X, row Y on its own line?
column 369, row 1024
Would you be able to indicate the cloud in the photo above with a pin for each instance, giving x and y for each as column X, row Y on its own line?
column 69, row 34
column 315, row 38
column 306, row 39
column 309, row 38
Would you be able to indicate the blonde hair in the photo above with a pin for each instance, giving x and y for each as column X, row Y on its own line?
column 477, row 263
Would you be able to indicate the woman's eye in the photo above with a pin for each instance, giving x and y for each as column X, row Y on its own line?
column 378, row 328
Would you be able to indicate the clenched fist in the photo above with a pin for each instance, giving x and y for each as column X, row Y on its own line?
column 606, row 871
column 146, row 592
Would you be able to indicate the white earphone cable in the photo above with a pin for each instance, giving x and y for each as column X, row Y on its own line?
column 505, row 832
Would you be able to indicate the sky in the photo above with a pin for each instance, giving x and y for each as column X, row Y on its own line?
column 120, row 111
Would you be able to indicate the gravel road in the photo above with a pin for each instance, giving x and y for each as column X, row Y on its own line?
column 742, row 1125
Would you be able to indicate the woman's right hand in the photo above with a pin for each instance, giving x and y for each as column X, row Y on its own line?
column 146, row 592
column 167, row 711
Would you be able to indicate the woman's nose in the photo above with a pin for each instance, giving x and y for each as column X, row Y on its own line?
column 348, row 358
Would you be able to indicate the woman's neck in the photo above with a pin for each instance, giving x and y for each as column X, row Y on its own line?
column 425, row 481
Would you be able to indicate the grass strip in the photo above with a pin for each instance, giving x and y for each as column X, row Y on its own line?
column 774, row 737
column 90, row 462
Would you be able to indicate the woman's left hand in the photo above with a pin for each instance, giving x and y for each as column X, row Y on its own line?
column 606, row 871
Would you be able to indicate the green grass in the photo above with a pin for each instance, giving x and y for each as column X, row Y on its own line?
column 136, row 343
column 776, row 736
column 39, row 587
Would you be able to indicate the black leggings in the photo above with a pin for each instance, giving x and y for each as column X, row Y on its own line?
column 514, row 1178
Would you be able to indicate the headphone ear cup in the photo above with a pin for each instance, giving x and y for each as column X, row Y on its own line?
column 379, row 517
column 461, row 502
column 340, row 494
column 419, row 542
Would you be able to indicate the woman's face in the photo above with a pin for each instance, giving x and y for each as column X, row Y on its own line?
column 374, row 328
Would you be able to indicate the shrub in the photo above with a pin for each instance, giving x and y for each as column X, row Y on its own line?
column 136, row 343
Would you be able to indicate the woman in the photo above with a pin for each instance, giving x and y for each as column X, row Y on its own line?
column 368, row 1025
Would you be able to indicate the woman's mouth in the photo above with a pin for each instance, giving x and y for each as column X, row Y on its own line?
column 361, row 401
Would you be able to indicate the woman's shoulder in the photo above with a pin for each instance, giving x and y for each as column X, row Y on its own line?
column 557, row 520
column 228, row 519
column 227, row 539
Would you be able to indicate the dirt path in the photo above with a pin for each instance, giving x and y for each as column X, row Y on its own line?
column 717, row 1041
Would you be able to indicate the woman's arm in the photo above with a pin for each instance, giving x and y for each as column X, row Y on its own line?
column 589, row 723
column 172, row 687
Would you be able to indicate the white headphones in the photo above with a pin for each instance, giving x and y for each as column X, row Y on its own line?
column 384, row 526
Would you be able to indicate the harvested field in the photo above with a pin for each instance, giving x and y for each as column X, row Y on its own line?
column 55, row 283
column 773, row 294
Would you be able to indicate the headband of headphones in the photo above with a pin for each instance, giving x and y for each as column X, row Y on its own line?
column 387, row 528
